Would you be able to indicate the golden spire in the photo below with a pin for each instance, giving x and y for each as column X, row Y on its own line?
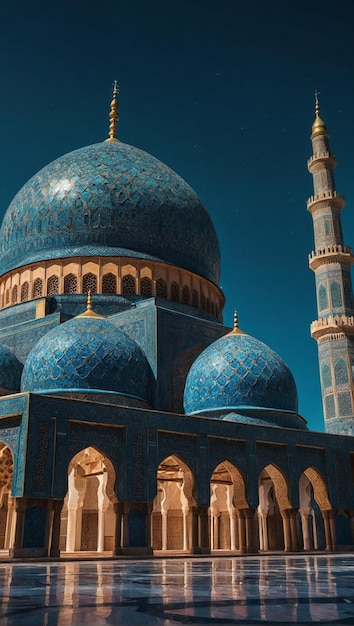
column 236, row 330
column 113, row 115
column 89, row 310
column 318, row 127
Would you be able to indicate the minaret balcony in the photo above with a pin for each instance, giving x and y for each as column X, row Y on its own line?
column 333, row 325
column 331, row 254
column 315, row 161
column 321, row 200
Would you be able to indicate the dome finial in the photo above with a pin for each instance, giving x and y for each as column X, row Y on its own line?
column 318, row 127
column 113, row 115
column 89, row 310
column 236, row 330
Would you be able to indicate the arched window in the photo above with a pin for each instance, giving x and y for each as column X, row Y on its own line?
column 202, row 301
column 109, row 283
column 341, row 372
column 146, row 287
column 24, row 292
column 7, row 296
column 326, row 227
column 195, row 298
column 348, row 295
column 322, row 298
column 14, row 295
column 175, row 292
column 326, row 376
column 52, row 285
column 89, row 283
column 186, row 295
column 38, row 288
column 161, row 288
column 70, row 284
column 128, row 284
column 336, row 294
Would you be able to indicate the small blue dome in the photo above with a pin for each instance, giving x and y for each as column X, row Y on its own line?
column 239, row 371
column 10, row 371
column 109, row 199
column 87, row 354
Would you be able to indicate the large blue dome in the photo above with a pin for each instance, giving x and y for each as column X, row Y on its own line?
column 87, row 354
column 109, row 199
column 238, row 371
column 10, row 371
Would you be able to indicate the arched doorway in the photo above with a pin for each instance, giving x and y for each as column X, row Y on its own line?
column 227, row 503
column 317, row 522
column 173, row 525
column 6, row 501
column 88, row 519
column 277, row 518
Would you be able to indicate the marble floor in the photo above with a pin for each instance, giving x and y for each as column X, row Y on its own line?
column 273, row 590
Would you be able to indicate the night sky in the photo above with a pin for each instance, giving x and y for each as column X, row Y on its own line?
column 222, row 92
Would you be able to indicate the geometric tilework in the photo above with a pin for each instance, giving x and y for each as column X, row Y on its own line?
column 10, row 371
column 238, row 371
column 87, row 354
column 109, row 199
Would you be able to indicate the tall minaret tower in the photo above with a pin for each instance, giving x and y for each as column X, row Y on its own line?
column 331, row 262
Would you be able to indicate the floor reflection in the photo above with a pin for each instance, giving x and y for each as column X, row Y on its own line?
column 255, row 590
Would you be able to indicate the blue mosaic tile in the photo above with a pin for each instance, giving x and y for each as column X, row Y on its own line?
column 10, row 371
column 84, row 354
column 237, row 371
column 109, row 199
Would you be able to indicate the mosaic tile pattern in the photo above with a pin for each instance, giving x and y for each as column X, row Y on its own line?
column 237, row 371
column 113, row 199
column 87, row 353
column 10, row 371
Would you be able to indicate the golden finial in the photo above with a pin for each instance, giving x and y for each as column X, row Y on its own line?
column 89, row 310
column 318, row 127
column 113, row 115
column 236, row 330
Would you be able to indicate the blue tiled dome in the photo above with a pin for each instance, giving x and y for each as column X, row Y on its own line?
column 239, row 371
column 87, row 354
column 109, row 199
column 10, row 371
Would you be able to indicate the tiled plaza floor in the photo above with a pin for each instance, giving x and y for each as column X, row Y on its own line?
column 253, row 590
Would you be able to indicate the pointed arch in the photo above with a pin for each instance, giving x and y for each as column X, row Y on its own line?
column 319, row 486
column 340, row 372
column 227, row 501
column 280, row 486
column 322, row 298
column 7, row 519
column 88, row 515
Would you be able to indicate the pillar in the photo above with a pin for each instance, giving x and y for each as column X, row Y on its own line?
column 286, row 530
column 241, row 531
column 293, row 530
column 232, row 514
column 305, row 518
column 185, row 511
column 203, row 530
column 251, row 544
column 164, row 530
column 20, row 509
column 327, row 529
column 118, row 510
column 57, row 506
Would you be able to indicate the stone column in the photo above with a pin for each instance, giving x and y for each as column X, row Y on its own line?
column 185, row 512
column 286, row 529
column 194, row 544
column 232, row 515
column 251, row 544
column 57, row 506
column 203, row 530
column 163, row 530
column 293, row 530
column 9, row 531
column 332, row 524
column 125, row 525
column 241, row 531
column 118, row 510
column 327, row 529
column 263, row 531
column 305, row 517
column 20, row 509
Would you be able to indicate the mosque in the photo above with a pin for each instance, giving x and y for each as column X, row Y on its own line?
column 132, row 421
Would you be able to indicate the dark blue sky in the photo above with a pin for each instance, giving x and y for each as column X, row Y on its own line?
column 221, row 91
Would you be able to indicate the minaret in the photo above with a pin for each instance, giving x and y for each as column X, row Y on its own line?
column 331, row 262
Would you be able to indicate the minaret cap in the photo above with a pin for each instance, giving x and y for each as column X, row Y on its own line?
column 89, row 311
column 236, row 330
column 113, row 115
column 318, row 127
